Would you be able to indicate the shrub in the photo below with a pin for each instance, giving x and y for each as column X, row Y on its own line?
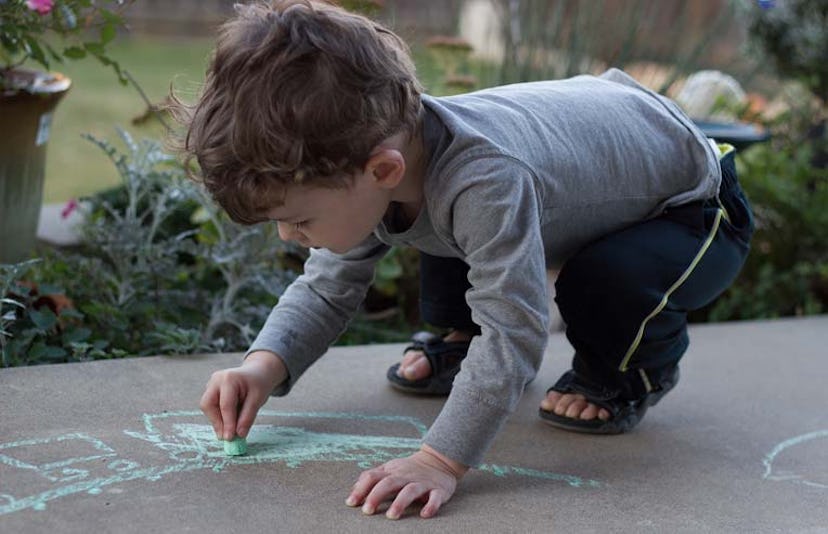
column 786, row 272
column 39, row 323
column 787, row 179
column 160, row 271
column 793, row 34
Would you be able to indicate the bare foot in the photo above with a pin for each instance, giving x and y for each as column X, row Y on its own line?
column 572, row 405
column 415, row 366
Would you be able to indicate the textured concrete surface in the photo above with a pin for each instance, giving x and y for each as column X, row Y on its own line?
column 741, row 445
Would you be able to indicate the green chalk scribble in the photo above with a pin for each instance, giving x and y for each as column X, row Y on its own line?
column 193, row 446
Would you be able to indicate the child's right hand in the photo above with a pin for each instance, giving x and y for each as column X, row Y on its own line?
column 233, row 396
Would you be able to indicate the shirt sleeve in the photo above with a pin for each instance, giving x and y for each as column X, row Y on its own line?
column 495, row 221
column 316, row 308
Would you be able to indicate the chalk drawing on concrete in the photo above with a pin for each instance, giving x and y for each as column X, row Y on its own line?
column 191, row 445
column 783, row 462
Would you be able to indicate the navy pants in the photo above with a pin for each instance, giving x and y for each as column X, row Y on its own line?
column 625, row 297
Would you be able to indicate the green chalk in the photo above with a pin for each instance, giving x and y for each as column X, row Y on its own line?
column 235, row 447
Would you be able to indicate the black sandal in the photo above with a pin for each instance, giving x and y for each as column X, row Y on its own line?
column 444, row 357
column 624, row 414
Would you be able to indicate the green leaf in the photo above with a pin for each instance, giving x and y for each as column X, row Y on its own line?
column 70, row 313
column 74, row 52
column 35, row 51
column 98, row 309
column 49, row 289
column 44, row 320
column 36, row 351
column 76, row 335
column 53, row 53
column 54, row 353
column 94, row 48
column 108, row 33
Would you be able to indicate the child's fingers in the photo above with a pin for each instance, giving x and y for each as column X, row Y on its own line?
column 436, row 498
column 405, row 497
column 363, row 485
column 384, row 490
column 209, row 405
column 229, row 405
column 247, row 415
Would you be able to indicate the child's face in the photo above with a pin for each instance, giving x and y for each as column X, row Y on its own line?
column 335, row 219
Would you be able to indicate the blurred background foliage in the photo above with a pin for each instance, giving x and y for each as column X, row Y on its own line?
column 160, row 270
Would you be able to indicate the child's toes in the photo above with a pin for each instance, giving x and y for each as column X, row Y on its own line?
column 575, row 409
column 548, row 403
column 410, row 357
column 590, row 412
column 563, row 403
column 416, row 370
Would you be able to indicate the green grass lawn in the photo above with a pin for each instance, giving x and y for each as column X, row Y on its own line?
column 97, row 103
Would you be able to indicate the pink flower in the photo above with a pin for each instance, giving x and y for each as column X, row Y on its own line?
column 41, row 6
column 70, row 206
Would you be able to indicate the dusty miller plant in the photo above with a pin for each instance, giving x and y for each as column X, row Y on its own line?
column 161, row 270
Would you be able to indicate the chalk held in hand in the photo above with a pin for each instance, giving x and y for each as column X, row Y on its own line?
column 235, row 447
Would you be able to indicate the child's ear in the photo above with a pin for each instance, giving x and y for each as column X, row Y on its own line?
column 387, row 167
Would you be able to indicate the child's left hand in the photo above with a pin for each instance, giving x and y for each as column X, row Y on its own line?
column 426, row 475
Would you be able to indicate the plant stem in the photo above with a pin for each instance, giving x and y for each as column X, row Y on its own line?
column 150, row 106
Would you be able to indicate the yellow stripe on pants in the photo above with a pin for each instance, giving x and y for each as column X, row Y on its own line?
column 686, row 274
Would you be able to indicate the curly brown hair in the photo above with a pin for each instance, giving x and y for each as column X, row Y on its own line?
column 296, row 92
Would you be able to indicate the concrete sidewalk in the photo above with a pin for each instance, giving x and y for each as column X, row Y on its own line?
column 741, row 445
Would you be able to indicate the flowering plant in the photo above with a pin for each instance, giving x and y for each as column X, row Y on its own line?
column 54, row 30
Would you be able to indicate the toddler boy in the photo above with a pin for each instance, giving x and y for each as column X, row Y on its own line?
column 312, row 117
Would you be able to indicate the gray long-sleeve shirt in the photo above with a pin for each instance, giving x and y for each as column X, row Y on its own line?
column 519, row 178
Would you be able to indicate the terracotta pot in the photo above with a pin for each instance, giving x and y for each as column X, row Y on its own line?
column 25, row 123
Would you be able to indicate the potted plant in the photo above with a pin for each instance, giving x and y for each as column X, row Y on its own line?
column 39, row 32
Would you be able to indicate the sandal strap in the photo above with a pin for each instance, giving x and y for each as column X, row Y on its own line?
column 422, row 339
column 442, row 355
column 601, row 396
